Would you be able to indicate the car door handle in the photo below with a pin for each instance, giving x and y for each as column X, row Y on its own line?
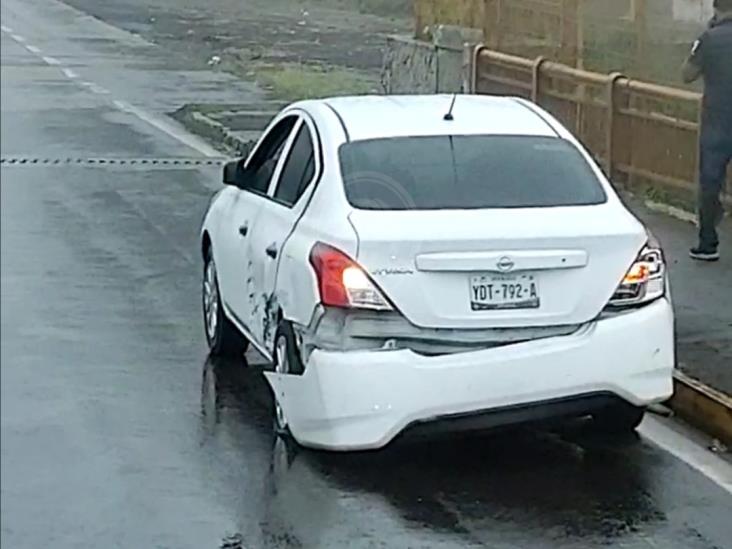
column 244, row 229
column 272, row 250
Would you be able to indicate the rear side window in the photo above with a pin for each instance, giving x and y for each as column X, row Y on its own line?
column 467, row 172
column 299, row 169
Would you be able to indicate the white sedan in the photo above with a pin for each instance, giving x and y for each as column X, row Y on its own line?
column 416, row 260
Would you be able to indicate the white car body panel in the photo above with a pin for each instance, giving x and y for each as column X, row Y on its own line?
column 356, row 398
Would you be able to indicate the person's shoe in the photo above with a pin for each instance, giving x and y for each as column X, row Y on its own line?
column 704, row 254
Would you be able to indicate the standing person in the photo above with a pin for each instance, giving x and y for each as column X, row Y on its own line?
column 711, row 58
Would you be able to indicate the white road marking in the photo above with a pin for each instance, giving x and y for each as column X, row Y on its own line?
column 69, row 73
column 690, row 452
column 6, row 29
column 170, row 129
column 95, row 88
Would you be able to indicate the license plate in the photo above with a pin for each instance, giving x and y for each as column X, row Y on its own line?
column 495, row 292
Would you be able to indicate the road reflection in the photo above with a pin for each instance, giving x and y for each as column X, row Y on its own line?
column 549, row 486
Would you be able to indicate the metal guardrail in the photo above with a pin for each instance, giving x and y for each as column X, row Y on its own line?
column 640, row 132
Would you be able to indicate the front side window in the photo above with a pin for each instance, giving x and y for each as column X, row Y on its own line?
column 262, row 165
column 298, row 170
column 467, row 172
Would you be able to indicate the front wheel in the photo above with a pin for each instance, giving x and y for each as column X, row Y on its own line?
column 223, row 338
column 618, row 419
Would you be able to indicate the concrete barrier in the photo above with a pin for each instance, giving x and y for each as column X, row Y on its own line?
column 221, row 136
column 415, row 66
column 702, row 407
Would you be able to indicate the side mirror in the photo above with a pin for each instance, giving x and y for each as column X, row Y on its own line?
column 233, row 173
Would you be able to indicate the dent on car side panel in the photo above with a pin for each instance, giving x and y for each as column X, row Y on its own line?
column 324, row 220
column 267, row 308
column 294, row 297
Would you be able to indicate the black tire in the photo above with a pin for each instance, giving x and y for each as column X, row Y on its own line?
column 285, row 348
column 223, row 338
column 619, row 419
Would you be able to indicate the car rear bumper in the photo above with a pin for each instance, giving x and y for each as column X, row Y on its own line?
column 362, row 399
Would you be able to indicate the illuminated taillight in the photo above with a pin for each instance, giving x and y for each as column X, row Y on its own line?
column 342, row 282
column 645, row 281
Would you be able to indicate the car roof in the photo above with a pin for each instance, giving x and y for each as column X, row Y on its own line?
column 386, row 116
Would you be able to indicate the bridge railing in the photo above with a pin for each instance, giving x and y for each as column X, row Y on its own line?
column 640, row 132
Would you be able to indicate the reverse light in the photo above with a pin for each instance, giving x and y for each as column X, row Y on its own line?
column 644, row 282
column 342, row 282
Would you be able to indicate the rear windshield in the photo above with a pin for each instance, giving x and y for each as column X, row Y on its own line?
column 467, row 172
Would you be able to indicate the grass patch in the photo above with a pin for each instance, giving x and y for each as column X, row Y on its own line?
column 295, row 82
column 677, row 197
column 387, row 7
column 684, row 199
column 390, row 8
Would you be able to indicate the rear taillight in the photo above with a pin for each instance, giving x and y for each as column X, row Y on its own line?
column 644, row 282
column 342, row 282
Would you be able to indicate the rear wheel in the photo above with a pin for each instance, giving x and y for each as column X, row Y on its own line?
column 223, row 338
column 286, row 361
column 618, row 419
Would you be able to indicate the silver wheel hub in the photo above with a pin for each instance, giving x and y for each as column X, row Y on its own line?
column 282, row 366
column 210, row 300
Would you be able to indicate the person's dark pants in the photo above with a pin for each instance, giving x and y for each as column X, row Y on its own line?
column 716, row 153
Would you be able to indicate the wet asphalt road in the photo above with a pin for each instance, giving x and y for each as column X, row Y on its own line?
column 118, row 432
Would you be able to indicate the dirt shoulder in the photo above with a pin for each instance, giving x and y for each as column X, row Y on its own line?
column 292, row 48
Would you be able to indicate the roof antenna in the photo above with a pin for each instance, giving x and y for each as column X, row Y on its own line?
column 449, row 117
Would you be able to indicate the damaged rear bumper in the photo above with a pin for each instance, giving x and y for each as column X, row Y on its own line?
column 357, row 400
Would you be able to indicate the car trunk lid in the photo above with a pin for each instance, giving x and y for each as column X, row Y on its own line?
column 501, row 267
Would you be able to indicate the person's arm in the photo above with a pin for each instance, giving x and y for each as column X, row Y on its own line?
column 693, row 67
column 690, row 72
